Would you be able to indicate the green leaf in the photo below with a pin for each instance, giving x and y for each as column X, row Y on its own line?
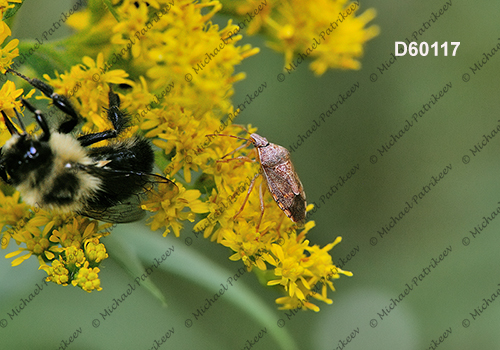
column 12, row 11
column 125, row 256
column 199, row 270
column 43, row 59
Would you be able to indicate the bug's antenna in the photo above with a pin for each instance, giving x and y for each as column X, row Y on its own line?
column 242, row 128
column 236, row 137
column 246, row 144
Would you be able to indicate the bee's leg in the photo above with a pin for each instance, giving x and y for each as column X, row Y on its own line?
column 3, row 175
column 118, row 118
column 40, row 119
column 60, row 101
column 3, row 171
column 8, row 123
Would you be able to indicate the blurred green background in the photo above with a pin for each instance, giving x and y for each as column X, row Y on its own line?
column 444, row 299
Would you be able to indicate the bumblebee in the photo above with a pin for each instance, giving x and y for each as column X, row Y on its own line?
column 56, row 171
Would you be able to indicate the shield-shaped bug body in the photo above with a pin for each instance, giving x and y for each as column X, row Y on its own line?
column 282, row 180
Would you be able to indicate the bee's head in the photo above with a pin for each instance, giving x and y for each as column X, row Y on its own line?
column 21, row 154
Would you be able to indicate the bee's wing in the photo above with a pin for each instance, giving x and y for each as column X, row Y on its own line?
column 128, row 210
column 121, row 213
column 287, row 191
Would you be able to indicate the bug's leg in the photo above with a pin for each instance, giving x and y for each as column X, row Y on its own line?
column 250, row 188
column 60, row 101
column 118, row 118
column 262, row 207
column 243, row 158
column 246, row 144
column 40, row 119
column 279, row 226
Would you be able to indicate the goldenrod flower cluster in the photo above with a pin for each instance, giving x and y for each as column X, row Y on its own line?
column 174, row 71
column 326, row 31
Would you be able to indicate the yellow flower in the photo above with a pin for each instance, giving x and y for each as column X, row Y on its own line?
column 303, row 274
column 253, row 24
column 168, row 203
column 321, row 265
column 75, row 232
column 297, row 267
column 9, row 51
column 289, row 267
column 178, row 44
column 35, row 240
column 66, row 249
column 326, row 31
column 59, row 243
column 134, row 20
column 233, row 179
column 4, row 5
column 79, row 20
column 58, row 273
column 88, row 84
column 9, row 101
column 247, row 246
column 173, row 70
column 79, row 253
column 13, row 213
column 87, row 278
column 95, row 252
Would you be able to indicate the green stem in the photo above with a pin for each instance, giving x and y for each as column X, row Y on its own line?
column 111, row 9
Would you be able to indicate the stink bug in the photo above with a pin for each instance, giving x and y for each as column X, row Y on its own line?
column 282, row 180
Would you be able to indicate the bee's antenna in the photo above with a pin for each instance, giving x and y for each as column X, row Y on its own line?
column 21, row 124
column 10, row 70
column 60, row 101
column 39, row 119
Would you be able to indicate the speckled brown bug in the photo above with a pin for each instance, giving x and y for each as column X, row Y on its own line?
column 282, row 180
